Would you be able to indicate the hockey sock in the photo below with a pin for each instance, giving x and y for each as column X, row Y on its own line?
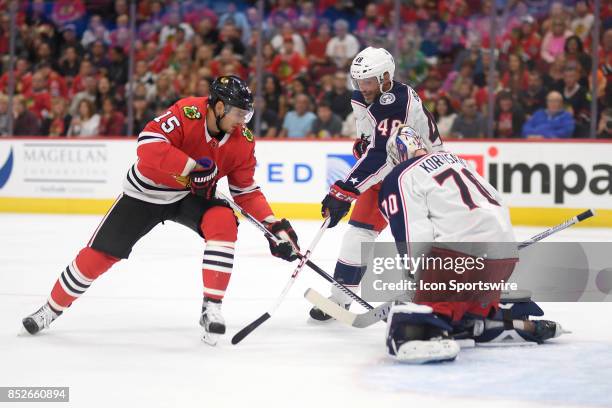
column 217, row 268
column 78, row 276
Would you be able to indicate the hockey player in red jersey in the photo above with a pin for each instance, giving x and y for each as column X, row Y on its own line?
column 181, row 156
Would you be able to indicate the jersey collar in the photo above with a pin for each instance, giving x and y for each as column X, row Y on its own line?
column 217, row 143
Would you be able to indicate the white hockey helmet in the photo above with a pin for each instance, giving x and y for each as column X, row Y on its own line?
column 403, row 144
column 372, row 62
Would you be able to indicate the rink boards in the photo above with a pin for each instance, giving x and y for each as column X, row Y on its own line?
column 543, row 182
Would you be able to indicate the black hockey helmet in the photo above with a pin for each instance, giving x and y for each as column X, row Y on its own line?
column 232, row 91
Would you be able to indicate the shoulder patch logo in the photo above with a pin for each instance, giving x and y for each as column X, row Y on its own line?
column 387, row 98
column 192, row 112
column 246, row 132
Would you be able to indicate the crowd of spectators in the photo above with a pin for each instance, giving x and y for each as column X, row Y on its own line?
column 71, row 66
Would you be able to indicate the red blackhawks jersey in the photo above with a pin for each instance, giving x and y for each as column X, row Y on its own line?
column 169, row 146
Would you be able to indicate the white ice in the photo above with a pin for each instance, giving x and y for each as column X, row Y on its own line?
column 133, row 339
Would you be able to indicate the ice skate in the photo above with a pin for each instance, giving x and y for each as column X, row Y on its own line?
column 39, row 320
column 212, row 321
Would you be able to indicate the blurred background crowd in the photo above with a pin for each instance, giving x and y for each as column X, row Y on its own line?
column 107, row 67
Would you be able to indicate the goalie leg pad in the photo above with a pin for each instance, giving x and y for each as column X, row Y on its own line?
column 511, row 325
column 416, row 335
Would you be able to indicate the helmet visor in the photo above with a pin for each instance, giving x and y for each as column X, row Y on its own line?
column 238, row 114
column 365, row 84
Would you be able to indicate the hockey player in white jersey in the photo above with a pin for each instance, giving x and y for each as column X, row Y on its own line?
column 438, row 198
column 380, row 106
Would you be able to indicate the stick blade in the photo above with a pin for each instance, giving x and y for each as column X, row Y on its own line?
column 333, row 309
column 238, row 337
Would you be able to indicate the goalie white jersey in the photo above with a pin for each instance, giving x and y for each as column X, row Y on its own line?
column 438, row 197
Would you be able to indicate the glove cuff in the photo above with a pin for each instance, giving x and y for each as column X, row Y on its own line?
column 343, row 191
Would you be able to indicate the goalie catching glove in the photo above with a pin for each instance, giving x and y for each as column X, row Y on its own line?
column 202, row 179
column 288, row 248
column 337, row 202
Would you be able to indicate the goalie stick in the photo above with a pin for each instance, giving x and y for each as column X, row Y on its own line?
column 380, row 312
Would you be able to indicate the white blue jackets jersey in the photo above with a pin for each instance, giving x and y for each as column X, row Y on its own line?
column 438, row 197
column 379, row 120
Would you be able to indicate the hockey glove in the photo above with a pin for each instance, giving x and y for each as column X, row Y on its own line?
column 202, row 180
column 360, row 146
column 288, row 248
column 337, row 202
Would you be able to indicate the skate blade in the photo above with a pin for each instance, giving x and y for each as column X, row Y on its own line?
column 210, row 338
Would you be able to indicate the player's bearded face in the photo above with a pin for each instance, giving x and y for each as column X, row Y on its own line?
column 369, row 88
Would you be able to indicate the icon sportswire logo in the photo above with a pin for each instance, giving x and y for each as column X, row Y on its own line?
column 6, row 169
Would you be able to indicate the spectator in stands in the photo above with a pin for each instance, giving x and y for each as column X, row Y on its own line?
column 509, row 117
column 118, row 68
column 105, row 90
column 58, row 121
column 583, row 21
column 69, row 39
column 273, row 95
column 553, row 43
column 431, row 90
column 576, row 99
column 445, row 115
column 411, row 66
column 207, row 31
column 469, row 123
column 343, row 46
column 165, row 95
column 112, row 121
column 25, row 123
column 142, row 75
column 516, row 77
column 339, row 98
column 287, row 31
column 90, row 92
column 121, row 36
column 4, row 115
column 203, row 86
column 530, row 41
column 288, row 64
column 238, row 18
column 298, row 122
column 96, row 31
column 534, row 97
column 269, row 121
column 86, row 123
column 307, row 21
column 142, row 114
column 327, row 124
column 169, row 30
column 97, row 55
column 69, row 63
column 38, row 96
column 315, row 52
column 552, row 122
column 229, row 35
column 371, row 18
column 553, row 79
column 574, row 53
column 604, row 129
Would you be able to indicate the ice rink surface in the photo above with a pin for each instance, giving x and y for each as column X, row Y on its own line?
column 133, row 339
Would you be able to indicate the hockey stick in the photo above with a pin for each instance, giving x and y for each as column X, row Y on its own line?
column 309, row 263
column 238, row 337
column 380, row 312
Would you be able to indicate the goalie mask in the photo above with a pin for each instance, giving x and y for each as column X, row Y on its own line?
column 403, row 145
